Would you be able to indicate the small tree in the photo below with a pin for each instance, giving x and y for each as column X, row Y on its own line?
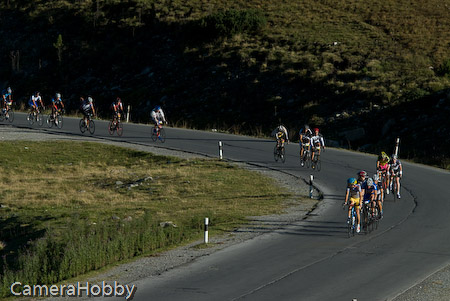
column 59, row 47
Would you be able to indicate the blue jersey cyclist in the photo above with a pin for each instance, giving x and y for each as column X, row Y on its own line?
column 57, row 104
column 370, row 193
column 353, row 197
column 6, row 99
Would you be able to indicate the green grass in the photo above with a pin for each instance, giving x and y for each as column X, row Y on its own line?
column 69, row 208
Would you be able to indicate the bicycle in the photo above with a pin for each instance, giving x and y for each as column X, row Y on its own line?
column 394, row 186
column 279, row 152
column 35, row 116
column 57, row 120
column 383, row 177
column 115, row 126
column 316, row 163
column 89, row 126
column 7, row 114
column 158, row 133
column 351, row 224
column 306, row 159
column 366, row 218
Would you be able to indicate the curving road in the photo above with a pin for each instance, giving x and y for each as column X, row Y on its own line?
column 312, row 259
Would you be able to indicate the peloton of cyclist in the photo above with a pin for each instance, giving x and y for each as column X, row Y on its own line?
column 354, row 196
column 396, row 173
column 87, row 108
column 117, row 108
column 34, row 102
column 305, row 135
column 317, row 142
column 6, row 99
column 57, row 104
column 379, row 197
column 383, row 168
column 281, row 134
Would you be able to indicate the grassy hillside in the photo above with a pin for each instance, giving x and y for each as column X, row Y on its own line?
column 244, row 65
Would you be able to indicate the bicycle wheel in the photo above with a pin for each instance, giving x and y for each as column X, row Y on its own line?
column 377, row 216
column 30, row 118
column 394, row 188
column 275, row 153
column 119, row 129
column 49, row 121
column 111, row 128
column 39, row 119
column 283, row 154
column 365, row 220
column 82, row 126
column 10, row 115
column 154, row 135
column 91, row 127
column 59, row 121
column 162, row 135
column 318, row 164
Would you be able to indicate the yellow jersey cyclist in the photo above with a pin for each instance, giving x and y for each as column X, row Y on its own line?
column 354, row 198
column 383, row 168
column 281, row 134
column 396, row 171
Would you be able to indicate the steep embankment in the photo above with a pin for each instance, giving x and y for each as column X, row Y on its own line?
column 379, row 69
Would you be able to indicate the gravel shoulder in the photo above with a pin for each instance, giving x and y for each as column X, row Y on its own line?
column 434, row 288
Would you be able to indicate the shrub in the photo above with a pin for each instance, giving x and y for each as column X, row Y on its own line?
column 231, row 22
column 444, row 69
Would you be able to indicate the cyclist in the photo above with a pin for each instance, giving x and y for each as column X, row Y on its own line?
column 396, row 172
column 316, row 142
column 354, row 196
column 117, row 108
column 370, row 193
column 362, row 179
column 281, row 134
column 57, row 105
column 379, row 197
column 305, row 135
column 157, row 116
column 383, row 168
column 6, row 99
column 87, row 107
column 34, row 102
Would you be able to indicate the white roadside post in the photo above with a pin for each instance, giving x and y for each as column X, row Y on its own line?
column 220, row 150
column 206, row 229
column 396, row 146
column 311, row 178
column 128, row 113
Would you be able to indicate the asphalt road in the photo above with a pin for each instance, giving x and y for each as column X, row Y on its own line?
column 312, row 259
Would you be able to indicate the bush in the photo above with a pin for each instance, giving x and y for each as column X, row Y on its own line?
column 444, row 69
column 231, row 22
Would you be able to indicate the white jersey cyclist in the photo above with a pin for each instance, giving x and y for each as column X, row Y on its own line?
column 317, row 139
column 157, row 115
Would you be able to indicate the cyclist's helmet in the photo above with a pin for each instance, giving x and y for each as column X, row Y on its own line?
column 369, row 182
column 394, row 157
column 9, row 90
column 376, row 177
column 351, row 181
column 90, row 99
column 157, row 108
column 306, row 127
column 316, row 129
column 58, row 95
column 362, row 173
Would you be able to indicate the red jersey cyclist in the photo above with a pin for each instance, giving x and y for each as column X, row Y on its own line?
column 355, row 197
